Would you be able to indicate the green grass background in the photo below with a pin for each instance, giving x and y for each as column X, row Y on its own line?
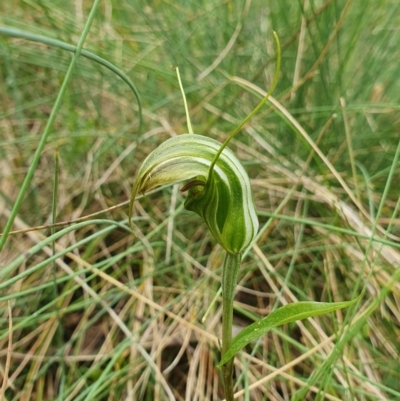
column 113, row 316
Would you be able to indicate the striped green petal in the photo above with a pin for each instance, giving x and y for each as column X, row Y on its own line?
column 223, row 199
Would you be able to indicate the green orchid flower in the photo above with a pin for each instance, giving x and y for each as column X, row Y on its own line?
column 220, row 194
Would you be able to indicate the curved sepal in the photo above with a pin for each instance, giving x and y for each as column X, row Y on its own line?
column 223, row 199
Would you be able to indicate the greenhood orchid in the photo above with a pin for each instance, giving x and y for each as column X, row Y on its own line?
column 221, row 195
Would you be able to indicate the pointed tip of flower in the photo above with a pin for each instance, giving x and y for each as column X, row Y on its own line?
column 131, row 202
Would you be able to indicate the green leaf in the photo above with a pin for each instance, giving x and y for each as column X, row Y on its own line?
column 286, row 314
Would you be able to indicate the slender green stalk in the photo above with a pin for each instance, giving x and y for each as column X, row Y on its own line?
column 229, row 282
column 349, row 140
column 60, row 331
column 190, row 129
column 46, row 132
column 54, row 218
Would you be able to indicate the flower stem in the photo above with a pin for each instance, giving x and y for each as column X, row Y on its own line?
column 229, row 282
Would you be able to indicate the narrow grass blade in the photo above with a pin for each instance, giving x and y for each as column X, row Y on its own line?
column 49, row 124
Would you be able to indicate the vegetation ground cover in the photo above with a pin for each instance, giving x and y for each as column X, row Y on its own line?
column 101, row 314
